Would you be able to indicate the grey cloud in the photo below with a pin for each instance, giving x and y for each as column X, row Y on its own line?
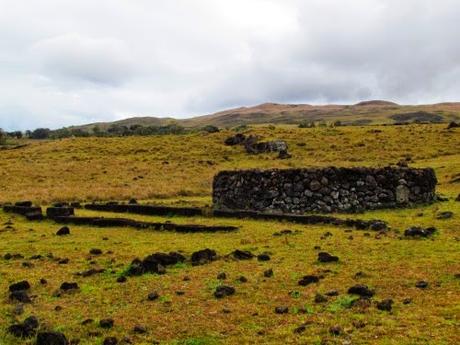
column 64, row 62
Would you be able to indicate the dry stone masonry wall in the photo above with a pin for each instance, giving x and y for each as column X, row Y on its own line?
column 323, row 190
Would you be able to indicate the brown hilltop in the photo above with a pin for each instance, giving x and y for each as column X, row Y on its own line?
column 362, row 113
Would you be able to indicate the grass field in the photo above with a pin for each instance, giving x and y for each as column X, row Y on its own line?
column 178, row 170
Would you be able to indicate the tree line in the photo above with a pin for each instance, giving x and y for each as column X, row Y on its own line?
column 96, row 131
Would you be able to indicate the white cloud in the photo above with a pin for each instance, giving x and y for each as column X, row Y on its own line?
column 65, row 62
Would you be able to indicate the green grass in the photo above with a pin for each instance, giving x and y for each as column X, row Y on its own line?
column 74, row 169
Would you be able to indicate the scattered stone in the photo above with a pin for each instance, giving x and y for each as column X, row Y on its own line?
column 326, row 257
column 106, row 323
column 308, row 279
column 153, row 296
column 95, row 251
column 453, row 124
column 407, row 301
column 91, row 271
column 335, row 330
column 25, row 329
column 63, row 231
column 332, row 293
column 282, row 310
column 361, row 290
column 242, row 254
column 242, row 279
column 320, row 298
column 237, row 139
column 263, row 257
column 154, row 263
column 69, row 286
column 283, row 154
column 223, row 291
column 300, row 329
column 139, row 329
column 268, row 273
column 385, row 305
column 20, row 286
column 378, row 225
column 445, row 215
column 20, row 296
column 222, row 276
column 203, row 256
column 421, row 284
column 416, row 231
column 110, row 341
column 87, row 322
column 51, row 338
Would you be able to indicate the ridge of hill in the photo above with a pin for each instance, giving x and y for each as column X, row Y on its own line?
column 362, row 113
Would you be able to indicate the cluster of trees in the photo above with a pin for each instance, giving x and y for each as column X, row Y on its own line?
column 4, row 136
column 112, row 131
column 313, row 124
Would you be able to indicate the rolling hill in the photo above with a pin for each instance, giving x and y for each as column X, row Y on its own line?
column 362, row 113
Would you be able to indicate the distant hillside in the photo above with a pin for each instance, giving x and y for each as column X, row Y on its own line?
column 362, row 113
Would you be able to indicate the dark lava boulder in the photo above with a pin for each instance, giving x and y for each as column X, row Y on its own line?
column 445, row 215
column 154, row 263
column 20, row 296
column 223, row 291
column 110, row 341
column 237, row 139
column 326, row 257
column 95, row 251
column 69, row 286
column 25, row 329
column 242, row 254
column 361, row 290
column 153, row 296
column 268, row 273
column 19, row 286
column 308, row 279
column 263, row 257
column 377, row 225
column 385, row 305
column 282, row 310
column 421, row 284
column 63, row 231
column 203, row 256
column 453, row 125
column 106, row 323
column 51, row 338
column 416, row 231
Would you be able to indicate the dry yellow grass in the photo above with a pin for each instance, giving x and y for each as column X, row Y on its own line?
column 74, row 170
column 172, row 166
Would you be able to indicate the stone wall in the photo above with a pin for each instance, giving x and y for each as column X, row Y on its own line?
column 323, row 190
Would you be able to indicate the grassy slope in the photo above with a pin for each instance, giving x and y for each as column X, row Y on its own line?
column 174, row 166
column 74, row 169
column 376, row 112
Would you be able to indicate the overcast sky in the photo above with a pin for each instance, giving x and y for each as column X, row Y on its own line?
column 65, row 62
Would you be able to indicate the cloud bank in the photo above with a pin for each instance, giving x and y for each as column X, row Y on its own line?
column 68, row 62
